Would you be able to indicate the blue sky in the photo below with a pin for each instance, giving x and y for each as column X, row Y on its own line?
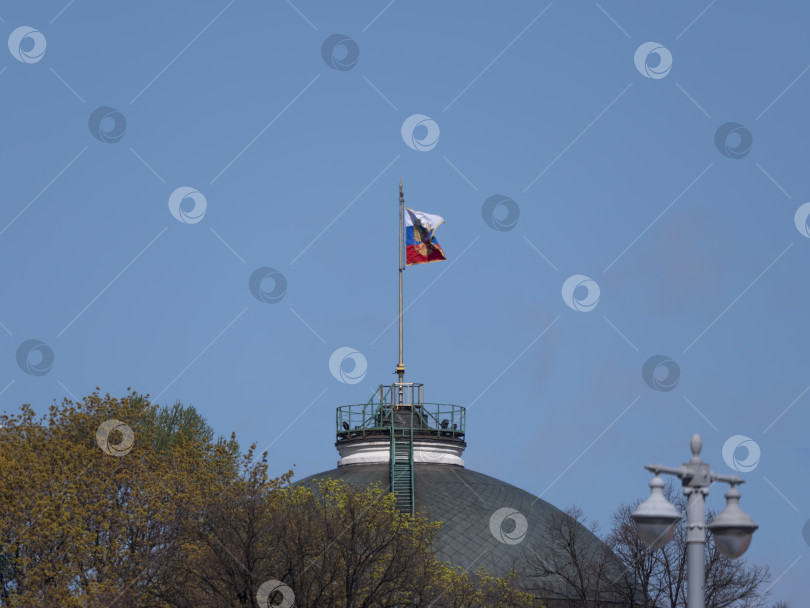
column 616, row 175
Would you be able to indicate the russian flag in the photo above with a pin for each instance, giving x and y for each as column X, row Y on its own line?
column 421, row 246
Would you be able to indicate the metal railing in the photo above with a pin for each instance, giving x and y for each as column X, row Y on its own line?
column 385, row 411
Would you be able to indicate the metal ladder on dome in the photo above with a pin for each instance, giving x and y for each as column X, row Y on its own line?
column 402, row 465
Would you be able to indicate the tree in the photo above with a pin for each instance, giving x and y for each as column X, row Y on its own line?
column 335, row 546
column 91, row 513
column 234, row 541
column 658, row 578
column 577, row 569
column 165, row 426
column 118, row 502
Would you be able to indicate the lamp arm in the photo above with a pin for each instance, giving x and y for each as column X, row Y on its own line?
column 657, row 469
column 732, row 480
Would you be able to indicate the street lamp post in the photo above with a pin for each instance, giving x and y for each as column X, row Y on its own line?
column 656, row 518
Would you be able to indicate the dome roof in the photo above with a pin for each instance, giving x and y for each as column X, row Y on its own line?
column 486, row 522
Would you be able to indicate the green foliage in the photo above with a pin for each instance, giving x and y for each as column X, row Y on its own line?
column 169, row 425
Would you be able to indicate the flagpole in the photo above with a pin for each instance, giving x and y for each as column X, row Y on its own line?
column 401, row 364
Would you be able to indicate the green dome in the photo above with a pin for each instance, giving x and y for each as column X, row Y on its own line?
column 486, row 523
column 473, row 509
